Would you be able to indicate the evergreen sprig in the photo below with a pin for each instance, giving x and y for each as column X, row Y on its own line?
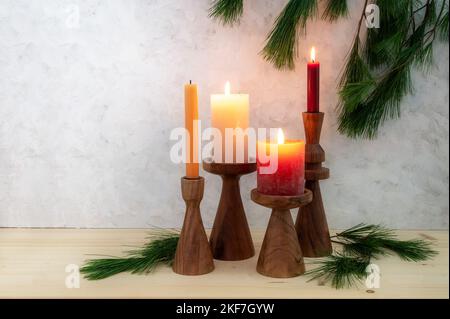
column 374, row 241
column 335, row 9
column 372, row 94
column 227, row 11
column 159, row 250
column 360, row 245
column 341, row 270
column 377, row 73
column 281, row 46
column 443, row 26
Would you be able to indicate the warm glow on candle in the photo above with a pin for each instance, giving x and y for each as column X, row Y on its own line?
column 313, row 83
column 313, row 54
column 229, row 111
column 280, row 136
column 288, row 161
column 227, row 88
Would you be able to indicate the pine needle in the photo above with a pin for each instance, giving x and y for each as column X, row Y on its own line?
column 352, row 94
column 356, row 69
column 361, row 244
column 411, row 250
column 341, row 270
column 377, row 79
column 363, row 230
column 227, row 11
column 335, row 9
column 159, row 250
column 281, row 46
column 377, row 72
column 443, row 27
column 373, row 241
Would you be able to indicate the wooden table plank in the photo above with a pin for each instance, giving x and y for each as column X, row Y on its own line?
column 33, row 262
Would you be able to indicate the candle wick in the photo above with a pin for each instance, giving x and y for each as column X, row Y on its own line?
column 190, row 81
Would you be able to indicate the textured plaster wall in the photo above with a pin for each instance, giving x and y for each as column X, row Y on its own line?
column 90, row 90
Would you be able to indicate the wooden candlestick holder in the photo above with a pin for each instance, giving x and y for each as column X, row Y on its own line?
column 230, row 236
column 311, row 224
column 193, row 255
column 281, row 255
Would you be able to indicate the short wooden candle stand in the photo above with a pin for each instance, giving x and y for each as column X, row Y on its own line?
column 311, row 224
column 281, row 255
column 230, row 236
column 193, row 255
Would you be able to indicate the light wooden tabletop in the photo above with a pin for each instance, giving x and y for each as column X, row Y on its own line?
column 33, row 265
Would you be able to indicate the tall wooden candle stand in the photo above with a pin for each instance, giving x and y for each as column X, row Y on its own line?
column 281, row 255
column 311, row 224
column 193, row 255
column 230, row 236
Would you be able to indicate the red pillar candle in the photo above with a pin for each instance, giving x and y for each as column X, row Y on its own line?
column 313, row 83
column 288, row 178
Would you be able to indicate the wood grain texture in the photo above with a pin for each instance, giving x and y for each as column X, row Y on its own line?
column 312, row 122
column 193, row 255
column 281, row 202
column 281, row 255
column 230, row 238
column 229, row 168
column 314, row 153
column 33, row 265
column 319, row 174
column 311, row 223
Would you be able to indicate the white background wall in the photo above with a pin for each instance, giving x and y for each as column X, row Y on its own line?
column 86, row 111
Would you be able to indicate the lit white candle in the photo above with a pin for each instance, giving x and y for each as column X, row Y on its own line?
column 230, row 111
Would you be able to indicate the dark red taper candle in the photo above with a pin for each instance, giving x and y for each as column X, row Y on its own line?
column 313, row 84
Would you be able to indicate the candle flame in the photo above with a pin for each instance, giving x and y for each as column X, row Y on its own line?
column 313, row 54
column 280, row 136
column 227, row 88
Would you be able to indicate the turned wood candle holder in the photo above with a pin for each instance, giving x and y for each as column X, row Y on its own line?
column 311, row 224
column 193, row 255
column 230, row 236
column 281, row 255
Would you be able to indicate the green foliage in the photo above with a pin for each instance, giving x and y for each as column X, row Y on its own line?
column 335, row 9
column 281, row 47
column 443, row 27
column 405, row 38
column 362, row 231
column 341, row 270
column 375, row 240
column 159, row 250
column 362, row 243
column 357, row 82
column 356, row 69
column 227, row 11
column 377, row 73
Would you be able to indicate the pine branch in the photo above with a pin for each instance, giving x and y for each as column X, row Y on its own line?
column 443, row 27
column 411, row 250
column 159, row 250
column 281, row 46
column 335, row 9
column 373, row 241
column 363, row 230
column 361, row 244
column 227, row 11
column 341, row 270
column 356, row 83
column 406, row 38
column 377, row 73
